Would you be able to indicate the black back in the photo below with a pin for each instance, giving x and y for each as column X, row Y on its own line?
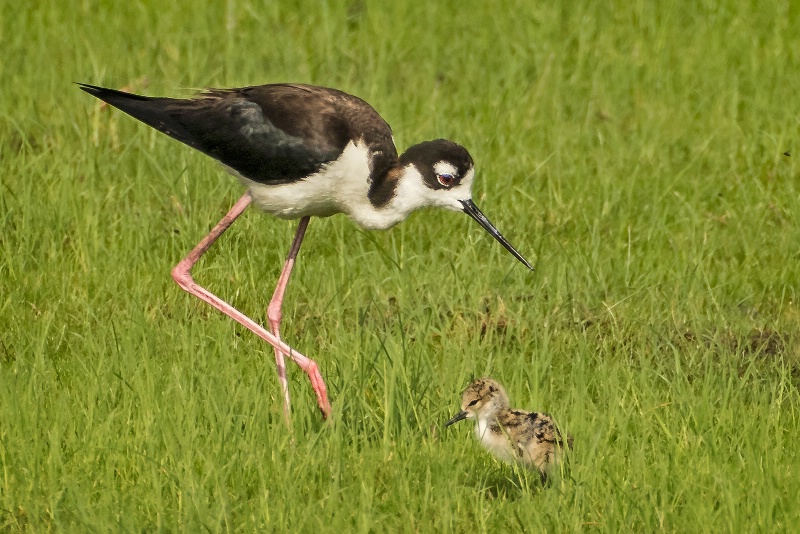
column 272, row 134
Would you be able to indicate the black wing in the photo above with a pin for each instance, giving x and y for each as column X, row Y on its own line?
column 270, row 133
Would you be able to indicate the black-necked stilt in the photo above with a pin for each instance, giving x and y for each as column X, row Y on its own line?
column 531, row 439
column 303, row 150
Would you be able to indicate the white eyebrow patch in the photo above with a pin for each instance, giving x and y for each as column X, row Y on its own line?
column 444, row 167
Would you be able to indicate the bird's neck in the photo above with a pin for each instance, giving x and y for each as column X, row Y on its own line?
column 489, row 416
column 391, row 198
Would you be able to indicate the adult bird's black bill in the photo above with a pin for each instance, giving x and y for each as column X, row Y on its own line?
column 304, row 151
column 472, row 210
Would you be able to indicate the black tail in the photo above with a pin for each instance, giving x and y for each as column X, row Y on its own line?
column 160, row 113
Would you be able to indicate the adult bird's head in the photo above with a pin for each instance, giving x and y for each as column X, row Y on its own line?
column 439, row 173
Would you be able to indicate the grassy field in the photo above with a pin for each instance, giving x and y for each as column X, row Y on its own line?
column 643, row 154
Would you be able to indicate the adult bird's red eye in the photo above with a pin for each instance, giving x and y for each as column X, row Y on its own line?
column 446, row 179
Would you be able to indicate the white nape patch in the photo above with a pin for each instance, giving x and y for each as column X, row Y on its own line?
column 443, row 167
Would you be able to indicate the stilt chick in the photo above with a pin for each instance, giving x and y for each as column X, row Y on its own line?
column 530, row 439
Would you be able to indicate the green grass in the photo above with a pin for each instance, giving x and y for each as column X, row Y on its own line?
column 635, row 151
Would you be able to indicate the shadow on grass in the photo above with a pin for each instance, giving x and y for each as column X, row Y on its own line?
column 511, row 482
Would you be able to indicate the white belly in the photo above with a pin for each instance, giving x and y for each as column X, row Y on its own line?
column 341, row 186
column 337, row 188
column 312, row 196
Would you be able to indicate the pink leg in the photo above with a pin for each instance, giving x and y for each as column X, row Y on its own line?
column 182, row 275
column 274, row 313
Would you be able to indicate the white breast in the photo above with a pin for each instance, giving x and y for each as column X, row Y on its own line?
column 325, row 193
column 342, row 186
column 496, row 443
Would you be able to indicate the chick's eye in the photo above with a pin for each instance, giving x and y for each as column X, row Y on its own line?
column 446, row 179
column 473, row 403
